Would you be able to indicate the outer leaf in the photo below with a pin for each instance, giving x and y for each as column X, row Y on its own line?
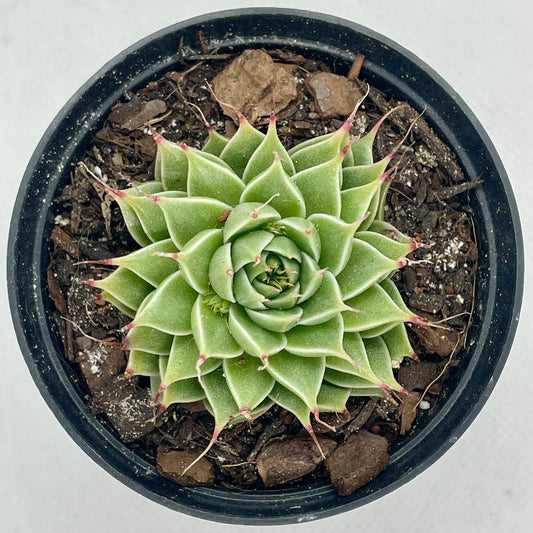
column 301, row 376
column 208, row 177
column 241, row 146
column 142, row 364
column 363, row 174
column 319, row 150
column 379, row 358
column 166, row 312
column 320, row 187
column 185, row 391
column 147, row 265
column 274, row 183
column 332, row 398
column 378, row 310
column 263, row 157
column 248, row 386
column 195, row 257
column 148, row 339
column 380, row 226
column 356, row 202
column 324, row 304
column 336, row 237
column 398, row 344
column 317, row 341
column 149, row 213
column 185, row 217
column 211, row 333
column 390, row 248
column 215, row 142
column 183, row 361
column 365, row 267
column 171, row 165
column 126, row 287
column 253, row 339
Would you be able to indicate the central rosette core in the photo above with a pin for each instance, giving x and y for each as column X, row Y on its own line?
column 266, row 264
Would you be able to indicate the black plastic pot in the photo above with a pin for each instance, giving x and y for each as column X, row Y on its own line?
column 387, row 66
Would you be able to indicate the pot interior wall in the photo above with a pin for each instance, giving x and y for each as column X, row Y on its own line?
column 389, row 68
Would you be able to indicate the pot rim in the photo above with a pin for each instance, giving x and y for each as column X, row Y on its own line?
column 53, row 378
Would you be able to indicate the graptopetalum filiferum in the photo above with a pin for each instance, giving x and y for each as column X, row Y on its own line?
column 264, row 275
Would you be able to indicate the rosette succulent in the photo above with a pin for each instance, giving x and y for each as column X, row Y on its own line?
column 263, row 275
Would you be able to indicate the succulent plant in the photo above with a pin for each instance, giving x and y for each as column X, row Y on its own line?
column 264, row 275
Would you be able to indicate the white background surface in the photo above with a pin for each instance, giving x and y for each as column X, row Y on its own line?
column 49, row 48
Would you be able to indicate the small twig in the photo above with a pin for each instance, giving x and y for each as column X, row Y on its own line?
column 355, row 69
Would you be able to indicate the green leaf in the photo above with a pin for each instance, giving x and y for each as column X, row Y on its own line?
column 311, row 277
column 183, row 361
column 320, row 187
column 293, row 403
column 380, row 226
column 248, row 248
column 220, row 399
column 263, row 156
column 253, row 339
column 359, row 175
column 210, row 177
column 148, row 339
column 274, row 183
column 211, row 332
column 318, row 150
column 248, row 385
column 380, row 361
column 185, row 217
column 169, row 309
column 126, row 287
column 215, row 142
column 245, row 293
column 148, row 265
column 221, row 273
column 286, row 300
column 277, row 320
column 142, row 364
column 303, row 233
column 171, row 165
column 148, row 211
column 336, row 237
column 131, row 219
column 241, row 146
column 248, row 217
column 317, row 341
column 284, row 247
column 356, row 202
column 388, row 247
column 332, row 398
column 365, row 267
column 378, row 309
column 195, row 257
column 398, row 344
column 324, row 304
column 184, row 391
column 350, row 381
column 106, row 297
column 301, row 376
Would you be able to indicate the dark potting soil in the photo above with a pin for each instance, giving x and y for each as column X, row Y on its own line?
column 428, row 200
